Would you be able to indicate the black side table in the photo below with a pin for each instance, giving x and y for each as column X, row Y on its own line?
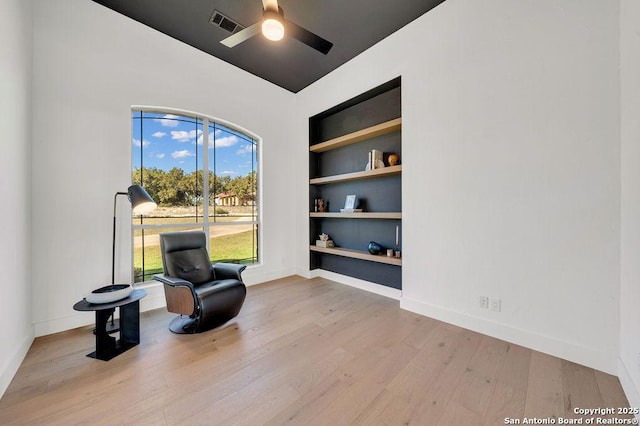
column 108, row 347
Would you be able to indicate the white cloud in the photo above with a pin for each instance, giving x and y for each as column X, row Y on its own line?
column 182, row 154
column 228, row 172
column 136, row 142
column 159, row 134
column 219, row 142
column 168, row 120
column 245, row 149
column 226, row 141
column 184, row 136
column 160, row 156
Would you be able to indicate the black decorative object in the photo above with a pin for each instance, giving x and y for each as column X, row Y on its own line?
column 374, row 248
column 108, row 347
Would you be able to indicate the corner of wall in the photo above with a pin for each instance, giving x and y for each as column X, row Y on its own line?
column 629, row 386
column 9, row 369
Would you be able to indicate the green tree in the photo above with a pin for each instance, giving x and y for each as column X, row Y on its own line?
column 149, row 179
column 169, row 193
column 244, row 187
column 220, row 184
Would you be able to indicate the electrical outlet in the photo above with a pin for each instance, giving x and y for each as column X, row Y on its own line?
column 483, row 302
column 494, row 304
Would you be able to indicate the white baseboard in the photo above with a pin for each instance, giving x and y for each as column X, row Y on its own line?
column 155, row 296
column 629, row 386
column 56, row 325
column 306, row 273
column 381, row 290
column 603, row 361
column 10, row 368
column 256, row 276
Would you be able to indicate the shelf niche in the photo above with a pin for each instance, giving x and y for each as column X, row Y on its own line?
column 339, row 141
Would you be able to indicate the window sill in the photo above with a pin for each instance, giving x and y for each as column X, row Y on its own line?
column 148, row 284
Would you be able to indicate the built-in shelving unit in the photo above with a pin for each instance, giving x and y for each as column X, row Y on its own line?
column 339, row 142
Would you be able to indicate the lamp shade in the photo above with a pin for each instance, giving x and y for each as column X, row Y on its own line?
column 141, row 201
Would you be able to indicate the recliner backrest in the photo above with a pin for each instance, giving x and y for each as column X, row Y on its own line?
column 184, row 255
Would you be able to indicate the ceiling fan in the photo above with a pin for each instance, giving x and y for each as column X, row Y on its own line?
column 274, row 27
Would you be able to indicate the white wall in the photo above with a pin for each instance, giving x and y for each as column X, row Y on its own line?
column 16, row 331
column 630, row 147
column 510, row 168
column 90, row 65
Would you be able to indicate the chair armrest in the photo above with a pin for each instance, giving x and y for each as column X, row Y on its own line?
column 180, row 295
column 225, row 271
column 172, row 281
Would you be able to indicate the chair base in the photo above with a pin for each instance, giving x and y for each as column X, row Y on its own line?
column 183, row 325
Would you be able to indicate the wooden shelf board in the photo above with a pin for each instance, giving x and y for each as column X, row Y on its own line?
column 357, row 254
column 361, row 215
column 367, row 174
column 359, row 136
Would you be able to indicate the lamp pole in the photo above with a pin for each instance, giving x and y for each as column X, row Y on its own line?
column 113, row 251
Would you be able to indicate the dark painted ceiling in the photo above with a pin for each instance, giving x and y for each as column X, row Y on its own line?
column 351, row 25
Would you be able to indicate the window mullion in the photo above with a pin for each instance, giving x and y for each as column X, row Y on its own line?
column 205, row 179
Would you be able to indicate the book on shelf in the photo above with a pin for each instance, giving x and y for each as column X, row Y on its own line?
column 375, row 160
column 350, row 210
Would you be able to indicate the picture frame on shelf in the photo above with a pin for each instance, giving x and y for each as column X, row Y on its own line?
column 350, row 202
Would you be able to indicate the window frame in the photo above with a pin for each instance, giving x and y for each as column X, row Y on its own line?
column 206, row 225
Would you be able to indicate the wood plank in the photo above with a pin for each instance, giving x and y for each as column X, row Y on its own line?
column 365, row 174
column 612, row 395
column 475, row 390
column 544, row 388
column 361, row 215
column 365, row 379
column 510, row 390
column 358, row 254
column 386, row 409
column 579, row 387
column 430, row 380
column 385, row 128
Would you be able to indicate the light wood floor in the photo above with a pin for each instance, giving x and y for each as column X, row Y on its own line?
column 302, row 352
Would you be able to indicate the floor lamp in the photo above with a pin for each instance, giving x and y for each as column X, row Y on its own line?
column 141, row 203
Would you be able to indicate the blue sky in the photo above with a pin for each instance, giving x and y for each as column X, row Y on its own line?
column 170, row 140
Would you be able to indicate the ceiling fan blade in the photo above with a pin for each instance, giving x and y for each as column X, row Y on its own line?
column 242, row 35
column 308, row 38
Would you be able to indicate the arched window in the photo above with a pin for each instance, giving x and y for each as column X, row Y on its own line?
column 211, row 186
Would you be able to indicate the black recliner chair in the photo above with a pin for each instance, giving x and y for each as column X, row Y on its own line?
column 205, row 295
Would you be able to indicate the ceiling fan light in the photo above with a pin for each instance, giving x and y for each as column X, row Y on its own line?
column 272, row 29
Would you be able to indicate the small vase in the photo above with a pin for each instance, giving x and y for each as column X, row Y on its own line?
column 374, row 248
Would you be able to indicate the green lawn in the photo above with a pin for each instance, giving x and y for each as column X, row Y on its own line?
column 236, row 248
